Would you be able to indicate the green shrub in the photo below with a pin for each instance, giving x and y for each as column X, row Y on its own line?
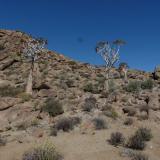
column 92, row 88
column 133, row 86
column 145, row 133
column 25, row 97
column 9, row 91
column 52, row 107
column 100, row 75
column 88, row 87
column 116, row 139
column 89, row 104
column 147, row 84
column 34, row 122
column 44, row 152
column 111, row 86
column 72, row 63
column 99, row 123
column 111, row 113
column 67, row 123
column 101, row 80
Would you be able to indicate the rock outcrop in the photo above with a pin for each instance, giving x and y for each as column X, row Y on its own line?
column 156, row 73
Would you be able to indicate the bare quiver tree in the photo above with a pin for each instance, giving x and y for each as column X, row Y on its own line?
column 32, row 53
column 110, row 53
column 123, row 68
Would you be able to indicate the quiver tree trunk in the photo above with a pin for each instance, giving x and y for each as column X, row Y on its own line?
column 29, row 85
column 106, row 85
column 125, row 75
column 36, row 76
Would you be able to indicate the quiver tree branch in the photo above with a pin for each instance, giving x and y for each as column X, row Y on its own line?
column 109, row 51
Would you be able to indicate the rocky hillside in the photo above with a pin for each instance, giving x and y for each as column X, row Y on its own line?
column 69, row 96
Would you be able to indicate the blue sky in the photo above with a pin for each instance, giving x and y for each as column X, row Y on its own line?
column 73, row 27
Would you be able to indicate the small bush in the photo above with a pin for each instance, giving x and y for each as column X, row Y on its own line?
column 99, row 123
column 136, row 142
column 145, row 133
column 34, row 122
column 88, row 87
column 104, row 94
column 147, row 84
column 128, row 122
column 22, row 125
column 116, row 139
column 101, row 80
column 139, row 156
column 106, row 107
column 89, row 104
column 76, row 120
column 133, row 86
column 25, row 97
column 69, row 83
column 72, row 63
column 112, row 86
column 126, row 152
column 2, row 47
column 44, row 152
column 53, row 107
column 92, row 88
column 9, row 91
column 66, row 124
column 53, row 131
column 2, row 141
column 111, row 113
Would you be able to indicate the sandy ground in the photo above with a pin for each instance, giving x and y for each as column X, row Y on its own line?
column 89, row 146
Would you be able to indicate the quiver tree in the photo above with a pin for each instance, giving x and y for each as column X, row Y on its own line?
column 123, row 68
column 32, row 53
column 110, row 53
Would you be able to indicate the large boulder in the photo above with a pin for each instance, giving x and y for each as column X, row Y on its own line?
column 8, row 102
column 130, row 111
column 6, row 63
column 154, row 101
column 46, row 93
column 156, row 73
column 4, row 83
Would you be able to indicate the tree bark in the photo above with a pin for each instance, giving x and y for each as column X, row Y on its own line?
column 125, row 76
column 106, row 86
column 29, row 85
column 37, row 75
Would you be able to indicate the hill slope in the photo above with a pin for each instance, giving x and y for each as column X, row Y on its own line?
column 65, row 88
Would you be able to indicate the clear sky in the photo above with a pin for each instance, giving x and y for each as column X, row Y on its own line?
column 73, row 27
